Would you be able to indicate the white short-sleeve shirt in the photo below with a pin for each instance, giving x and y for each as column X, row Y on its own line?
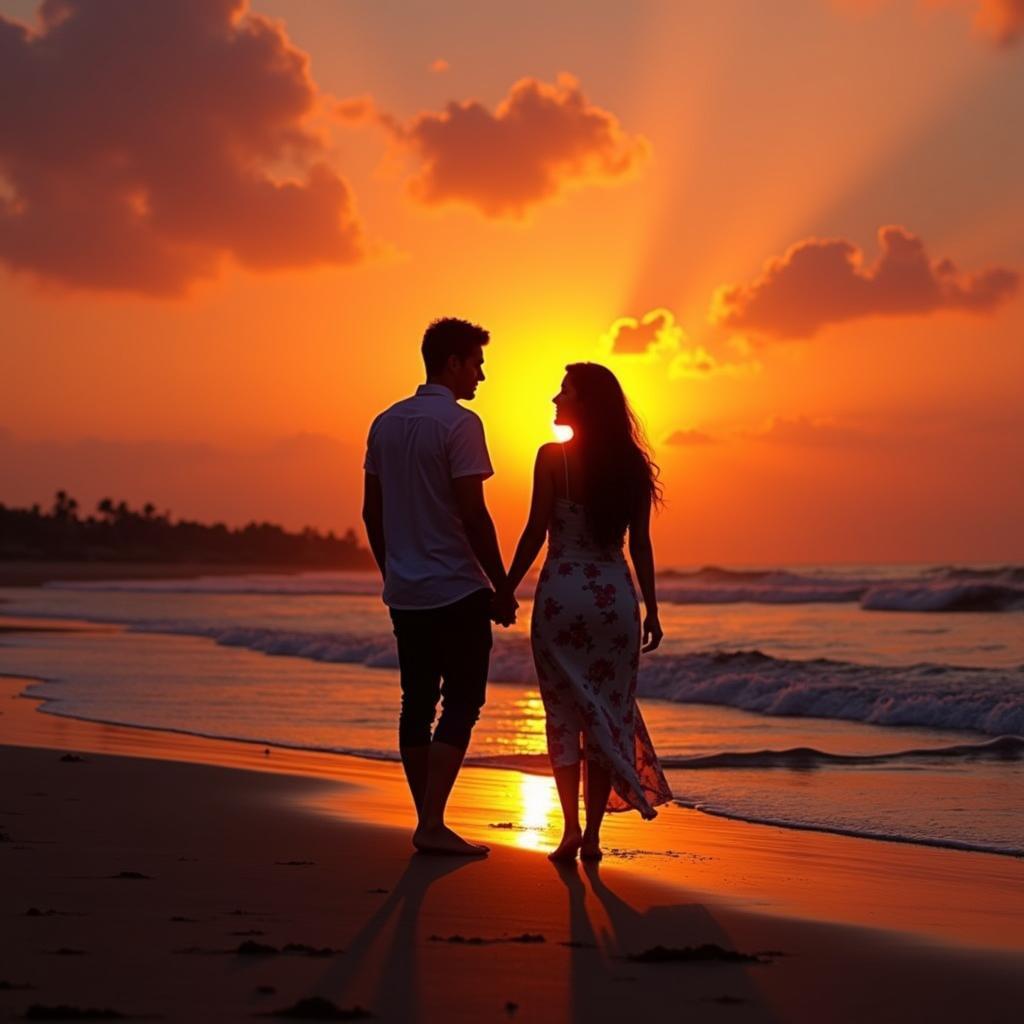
column 416, row 448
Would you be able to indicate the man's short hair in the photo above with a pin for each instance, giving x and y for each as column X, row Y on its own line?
column 447, row 337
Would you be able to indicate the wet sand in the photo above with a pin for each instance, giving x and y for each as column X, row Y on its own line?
column 140, row 863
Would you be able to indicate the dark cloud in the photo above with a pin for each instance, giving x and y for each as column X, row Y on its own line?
column 141, row 142
column 822, row 281
column 540, row 140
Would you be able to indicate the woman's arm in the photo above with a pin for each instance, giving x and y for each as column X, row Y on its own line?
column 541, row 506
column 642, row 554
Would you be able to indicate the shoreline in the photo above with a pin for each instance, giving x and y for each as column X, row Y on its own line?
column 34, row 573
column 793, row 873
column 532, row 764
column 148, row 885
column 494, row 763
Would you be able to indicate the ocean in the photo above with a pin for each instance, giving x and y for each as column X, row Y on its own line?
column 879, row 701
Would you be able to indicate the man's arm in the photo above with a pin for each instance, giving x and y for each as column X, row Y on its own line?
column 476, row 520
column 373, row 518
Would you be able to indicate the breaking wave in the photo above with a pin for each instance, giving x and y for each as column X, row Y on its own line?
column 984, row 700
column 942, row 589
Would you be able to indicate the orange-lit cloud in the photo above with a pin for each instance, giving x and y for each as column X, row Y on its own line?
column 140, row 143
column 802, row 430
column 823, row 281
column 541, row 140
column 689, row 438
column 656, row 331
column 439, row 66
column 1001, row 20
column 656, row 336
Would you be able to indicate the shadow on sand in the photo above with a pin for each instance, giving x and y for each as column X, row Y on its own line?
column 385, row 968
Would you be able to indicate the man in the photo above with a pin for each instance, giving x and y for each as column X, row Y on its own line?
column 435, row 544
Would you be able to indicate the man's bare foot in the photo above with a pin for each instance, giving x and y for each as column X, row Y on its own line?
column 441, row 839
column 590, row 849
column 568, row 847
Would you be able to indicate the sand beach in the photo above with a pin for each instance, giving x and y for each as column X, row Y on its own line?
column 162, row 875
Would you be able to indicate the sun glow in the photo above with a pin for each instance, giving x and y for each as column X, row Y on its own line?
column 563, row 432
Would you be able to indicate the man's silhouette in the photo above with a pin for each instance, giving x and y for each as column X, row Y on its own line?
column 435, row 544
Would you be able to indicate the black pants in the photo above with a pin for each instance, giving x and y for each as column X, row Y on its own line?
column 443, row 653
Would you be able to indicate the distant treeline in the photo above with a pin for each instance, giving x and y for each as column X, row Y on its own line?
column 118, row 533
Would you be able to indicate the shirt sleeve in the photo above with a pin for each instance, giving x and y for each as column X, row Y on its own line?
column 467, row 449
column 369, row 462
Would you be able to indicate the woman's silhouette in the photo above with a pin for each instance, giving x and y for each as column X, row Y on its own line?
column 586, row 630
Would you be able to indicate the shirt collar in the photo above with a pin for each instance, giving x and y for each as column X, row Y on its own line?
column 435, row 389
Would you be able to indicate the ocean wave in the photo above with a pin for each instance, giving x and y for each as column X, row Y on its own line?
column 1003, row 748
column 983, row 700
column 940, row 589
column 946, row 596
column 989, row 701
column 946, row 589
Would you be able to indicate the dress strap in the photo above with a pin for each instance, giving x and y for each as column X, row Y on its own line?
column 565, row 462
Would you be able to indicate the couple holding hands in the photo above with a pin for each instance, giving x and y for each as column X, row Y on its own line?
column 445, row 582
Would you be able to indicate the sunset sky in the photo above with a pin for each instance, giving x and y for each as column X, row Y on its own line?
column 795, row 230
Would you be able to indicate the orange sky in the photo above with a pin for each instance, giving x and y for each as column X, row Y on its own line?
column 180, row 325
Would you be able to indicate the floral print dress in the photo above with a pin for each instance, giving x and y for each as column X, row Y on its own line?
column 585, row 634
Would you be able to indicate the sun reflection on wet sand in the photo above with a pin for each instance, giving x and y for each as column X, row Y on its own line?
column 539, row 805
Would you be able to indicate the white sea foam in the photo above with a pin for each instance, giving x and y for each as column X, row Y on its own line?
column 989, row 701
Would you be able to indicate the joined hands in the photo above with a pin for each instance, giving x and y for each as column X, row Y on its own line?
column 503, row 607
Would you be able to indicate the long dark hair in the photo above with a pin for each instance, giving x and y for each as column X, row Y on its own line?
column 614, row 452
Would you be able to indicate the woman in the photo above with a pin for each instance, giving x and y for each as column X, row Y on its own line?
column 586, row 630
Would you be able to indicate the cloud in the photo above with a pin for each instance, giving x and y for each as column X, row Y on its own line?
column 439, row 66
column 689, row 438
column 141, row 143
column 1002, row 21
column 541, row 140
column 999, row 21
column 654, row 332
column 823, row 281
column 656, row 336
column 697, row 362
column 802, row 430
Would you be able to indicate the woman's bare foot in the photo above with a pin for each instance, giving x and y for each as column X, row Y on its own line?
column 568, row 847
column 590, row 849
column 441, row 839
